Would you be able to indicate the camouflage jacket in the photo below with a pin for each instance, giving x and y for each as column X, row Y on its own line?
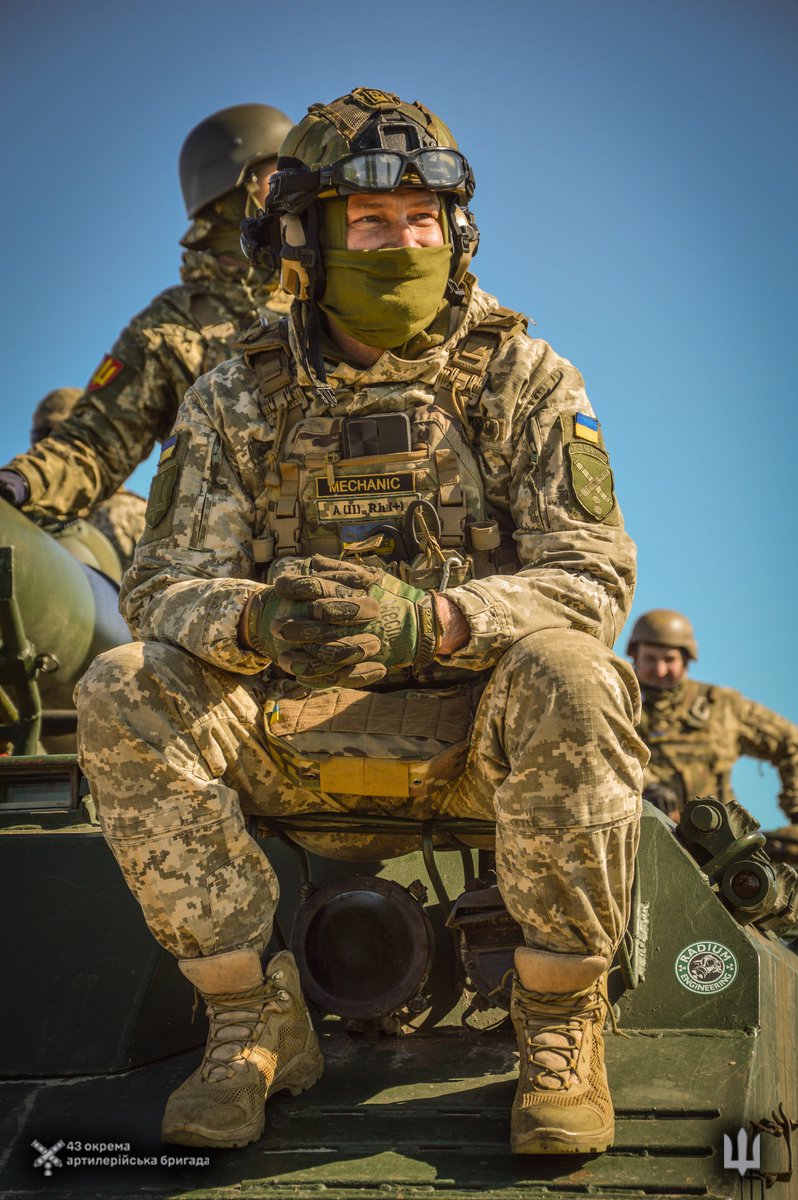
column 209, row 503
column 696, row 732
column 133, row 397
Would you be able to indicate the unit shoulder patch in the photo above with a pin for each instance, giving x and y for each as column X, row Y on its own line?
column 106, row 373
column 591, row 477
column 159, row 503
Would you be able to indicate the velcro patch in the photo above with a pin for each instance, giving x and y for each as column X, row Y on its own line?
column 107, row 371
column 366, row 485
column 168, row 449
column 587, row 428
column 591, row 476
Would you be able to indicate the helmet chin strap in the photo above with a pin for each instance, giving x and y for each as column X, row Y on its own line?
column 303, row 277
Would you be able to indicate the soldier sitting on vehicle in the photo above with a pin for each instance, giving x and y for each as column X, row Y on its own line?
column 697, row 731
column 425, row 490
column 133, row 396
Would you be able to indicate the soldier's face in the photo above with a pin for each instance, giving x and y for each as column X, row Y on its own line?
column 407, row 217
column 659, row 666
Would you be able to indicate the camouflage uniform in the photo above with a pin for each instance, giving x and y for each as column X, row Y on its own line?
column 696, row 732
column 172, row 729
column 132, row 399
column 121, row 519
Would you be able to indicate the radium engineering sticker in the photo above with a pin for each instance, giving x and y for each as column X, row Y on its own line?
column 705, row 967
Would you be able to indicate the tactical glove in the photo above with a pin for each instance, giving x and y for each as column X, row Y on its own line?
column 14, row 488
column 361, row 619
column 286, row 604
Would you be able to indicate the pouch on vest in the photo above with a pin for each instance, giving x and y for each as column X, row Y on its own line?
column 404, row 744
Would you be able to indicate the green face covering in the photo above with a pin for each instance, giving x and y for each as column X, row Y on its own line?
column 217, row 228
column 381, row 297
column 385, row 297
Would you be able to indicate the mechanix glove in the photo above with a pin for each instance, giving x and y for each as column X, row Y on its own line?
column 363, row 622
column 286, row 604
column 262, row 613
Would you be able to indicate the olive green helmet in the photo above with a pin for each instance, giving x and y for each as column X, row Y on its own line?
column 219, row 151
column 54, row 408
column 664, row 627
column 368, row 140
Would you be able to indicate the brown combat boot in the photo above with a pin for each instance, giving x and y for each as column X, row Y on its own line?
column 562, row 1105
column 261, row 1040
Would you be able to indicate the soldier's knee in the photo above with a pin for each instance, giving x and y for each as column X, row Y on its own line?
column 564, row 660
column 106, row 673
column 125, row 675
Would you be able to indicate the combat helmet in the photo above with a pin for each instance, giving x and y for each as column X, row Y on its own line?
column 366, row 141
column 51, row 410
column 664, row 627
column 219, row 152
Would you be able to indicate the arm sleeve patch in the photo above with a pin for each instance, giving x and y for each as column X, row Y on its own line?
column 589, row 467
column 159, row 516
column 591, row 477
column 106, row 373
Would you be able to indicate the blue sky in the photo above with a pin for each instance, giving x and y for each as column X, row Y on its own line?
column 636, row 192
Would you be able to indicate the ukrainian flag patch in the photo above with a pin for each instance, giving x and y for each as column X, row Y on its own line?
column 586, row 428
column 168, row 449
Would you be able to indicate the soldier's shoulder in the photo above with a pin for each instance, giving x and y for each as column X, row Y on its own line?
column 227, row 381
column 266, row 332
column 715, row 694
column 520, row 355
column 172, row 305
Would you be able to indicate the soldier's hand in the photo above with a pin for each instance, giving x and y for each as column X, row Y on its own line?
column 289, row 603
column 362, row 623
column 257, row 627
column 13, row 488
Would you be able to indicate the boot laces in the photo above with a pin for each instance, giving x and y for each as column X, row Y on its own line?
column 553, row 1047
column 234, row 1019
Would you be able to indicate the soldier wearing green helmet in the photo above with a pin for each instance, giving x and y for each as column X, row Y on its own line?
column 131, row 400
column 383, row 570
column 697, row 731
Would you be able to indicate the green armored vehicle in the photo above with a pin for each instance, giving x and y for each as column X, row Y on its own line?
column 405, row 962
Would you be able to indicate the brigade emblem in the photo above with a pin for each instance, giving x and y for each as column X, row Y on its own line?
column 706, row 967
column 591, row 476
column 107, row 371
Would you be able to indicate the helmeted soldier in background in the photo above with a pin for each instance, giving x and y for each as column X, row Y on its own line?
column 383, row 569
column 696, row 731
column 132, row 398
column 121, row 517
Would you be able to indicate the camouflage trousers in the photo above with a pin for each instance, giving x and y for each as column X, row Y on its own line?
column 175, row 753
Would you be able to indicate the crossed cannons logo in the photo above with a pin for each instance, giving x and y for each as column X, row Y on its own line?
column 48, row 1158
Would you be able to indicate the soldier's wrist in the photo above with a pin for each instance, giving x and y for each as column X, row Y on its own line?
column 454, row 632
column 14, row 487
column 249, row 624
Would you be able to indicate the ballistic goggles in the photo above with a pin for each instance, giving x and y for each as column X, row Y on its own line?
column 377, row 170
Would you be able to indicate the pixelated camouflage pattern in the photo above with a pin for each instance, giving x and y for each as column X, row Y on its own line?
column 184, row 332
column 173, row 742
column 195, row 566
column 696, row 732
column 175, row 749
column 121, row 519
